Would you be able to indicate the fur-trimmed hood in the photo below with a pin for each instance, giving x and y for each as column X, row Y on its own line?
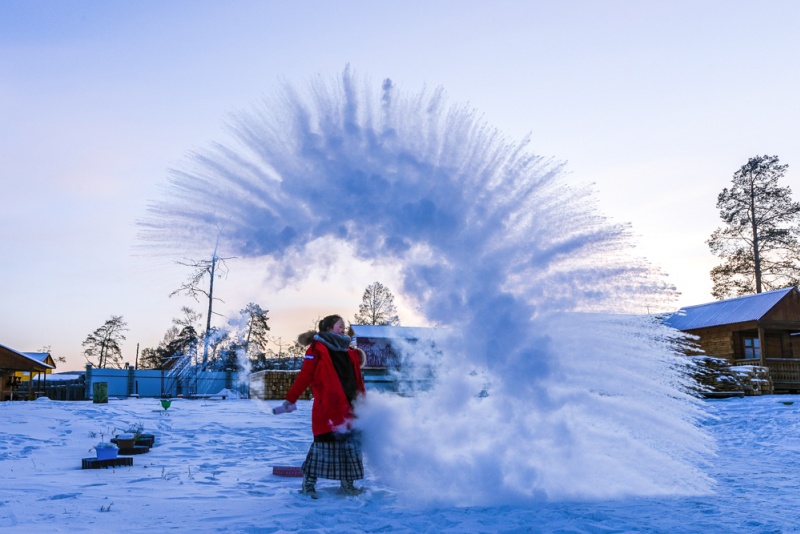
column 362, row 357
column 306, row 338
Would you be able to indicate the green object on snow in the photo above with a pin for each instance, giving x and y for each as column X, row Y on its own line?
column 100, row 392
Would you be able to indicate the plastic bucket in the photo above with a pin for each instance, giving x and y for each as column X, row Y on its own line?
column 106, row 453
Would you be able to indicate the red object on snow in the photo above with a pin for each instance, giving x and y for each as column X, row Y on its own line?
column 287, row 471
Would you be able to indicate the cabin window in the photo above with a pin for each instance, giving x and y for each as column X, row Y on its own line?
column 752, row 348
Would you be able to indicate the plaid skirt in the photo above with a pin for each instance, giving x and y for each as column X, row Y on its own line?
column 336, row 460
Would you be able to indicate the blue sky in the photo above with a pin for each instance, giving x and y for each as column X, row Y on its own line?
column 655, row 103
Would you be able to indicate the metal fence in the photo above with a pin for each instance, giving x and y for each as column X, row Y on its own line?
column 164, row 383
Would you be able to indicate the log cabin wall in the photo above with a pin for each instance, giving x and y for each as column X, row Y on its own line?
column 779, row 323
column 726, row 342
column 717, row 341
column 773, row 347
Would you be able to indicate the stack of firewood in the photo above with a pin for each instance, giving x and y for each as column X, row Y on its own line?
column 273, row 385
column 714, row 375
column 755, row 379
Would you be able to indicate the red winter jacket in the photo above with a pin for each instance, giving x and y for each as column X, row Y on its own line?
column 330, row 411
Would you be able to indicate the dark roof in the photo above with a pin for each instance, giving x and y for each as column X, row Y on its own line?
column 731, row 311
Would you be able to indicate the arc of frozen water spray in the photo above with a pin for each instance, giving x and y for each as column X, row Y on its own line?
column 493, row 243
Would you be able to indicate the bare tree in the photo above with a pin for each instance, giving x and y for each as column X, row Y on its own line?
column 59, row 359
column 195, row 287
column 101, row 348
column 377, row 306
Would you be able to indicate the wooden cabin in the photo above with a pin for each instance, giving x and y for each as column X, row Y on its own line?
column 14, row 366
column 384, row 345
column 761, row 329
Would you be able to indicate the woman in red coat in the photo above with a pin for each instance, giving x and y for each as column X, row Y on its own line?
column 333, row 370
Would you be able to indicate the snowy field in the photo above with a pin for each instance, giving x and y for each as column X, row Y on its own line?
column 211, row 471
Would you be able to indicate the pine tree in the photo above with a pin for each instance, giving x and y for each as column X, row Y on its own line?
column 181, row 349
column 150, row 359
column 759, row 242
column 255, row 329
column 101, row 347
column 377, row 307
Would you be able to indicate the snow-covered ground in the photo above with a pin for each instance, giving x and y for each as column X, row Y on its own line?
column 211, row 471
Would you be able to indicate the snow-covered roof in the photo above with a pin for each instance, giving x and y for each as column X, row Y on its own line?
column 33, row 362
column 730, row 311
column 38, row 356
column 392, row 332
column 58, row 377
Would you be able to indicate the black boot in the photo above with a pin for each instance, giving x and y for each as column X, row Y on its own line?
column 308, row 486
column 349, row 489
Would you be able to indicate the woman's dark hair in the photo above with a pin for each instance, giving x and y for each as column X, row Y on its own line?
column 328, row 322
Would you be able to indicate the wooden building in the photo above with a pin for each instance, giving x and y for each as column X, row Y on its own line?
column 15, row 365
column 384, row 345
column 761, row 329
column 389, row 349
column 43, row 357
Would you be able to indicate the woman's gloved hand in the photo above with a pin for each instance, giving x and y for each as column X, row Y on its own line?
column 286, row 407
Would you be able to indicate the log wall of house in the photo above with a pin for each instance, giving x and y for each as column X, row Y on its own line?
column 782, row 345
column 774, row 345
column 783, row 319
column 716, row 341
